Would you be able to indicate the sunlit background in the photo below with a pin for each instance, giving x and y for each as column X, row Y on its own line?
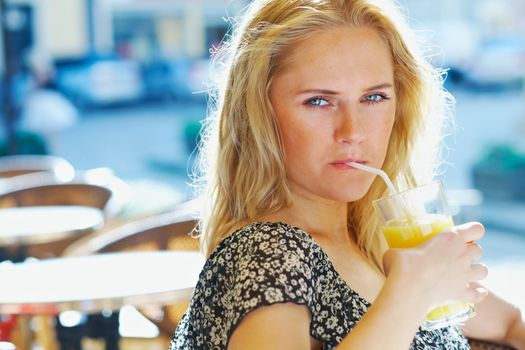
column 130, row 76
column 136, row 71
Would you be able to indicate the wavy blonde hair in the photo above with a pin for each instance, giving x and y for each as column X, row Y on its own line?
column 242, row 163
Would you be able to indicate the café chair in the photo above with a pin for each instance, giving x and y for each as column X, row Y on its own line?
column 57, row 194
column 167, row 231
column 97, row 188
column 21, row 171
column 170, row 230
column 12, row 166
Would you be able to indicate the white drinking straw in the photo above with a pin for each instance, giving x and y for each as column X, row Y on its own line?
column 390, row 185
column 376, row 171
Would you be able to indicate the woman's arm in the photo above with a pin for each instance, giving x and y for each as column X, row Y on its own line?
column 392, row 320
column 278, row 326
column 498, row 321
column 516, row 334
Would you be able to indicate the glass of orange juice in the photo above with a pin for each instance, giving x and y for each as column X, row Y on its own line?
column 410, row 218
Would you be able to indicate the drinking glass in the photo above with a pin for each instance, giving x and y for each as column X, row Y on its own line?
column 410, row 218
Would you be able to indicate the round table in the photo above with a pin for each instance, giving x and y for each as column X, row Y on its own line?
column 97, row 283
column 42, row 224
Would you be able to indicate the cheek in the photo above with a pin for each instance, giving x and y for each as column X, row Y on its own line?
column 390, row 119
column 382, row 134
column 296, row 145
column 298, row 138
column 387, row 133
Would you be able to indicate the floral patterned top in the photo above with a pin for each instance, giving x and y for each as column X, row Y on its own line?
column 265, row 263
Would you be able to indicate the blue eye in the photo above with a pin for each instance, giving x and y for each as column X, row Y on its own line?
column 317, row 101
column 374, row 98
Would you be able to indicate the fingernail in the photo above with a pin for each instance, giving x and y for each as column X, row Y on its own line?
column 482, row 290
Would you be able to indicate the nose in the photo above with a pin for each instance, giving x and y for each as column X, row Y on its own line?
column 349, row 128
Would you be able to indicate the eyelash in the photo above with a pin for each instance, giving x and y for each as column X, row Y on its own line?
column 311, row 101
column 383, row 97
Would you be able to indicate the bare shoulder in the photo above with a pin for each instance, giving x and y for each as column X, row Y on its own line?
column 277, row 326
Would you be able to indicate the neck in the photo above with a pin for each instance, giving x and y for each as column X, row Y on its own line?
column 324, row 220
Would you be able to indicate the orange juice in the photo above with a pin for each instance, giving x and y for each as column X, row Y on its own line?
column 405, row 234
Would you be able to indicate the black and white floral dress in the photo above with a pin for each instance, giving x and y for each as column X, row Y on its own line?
column 265, row 263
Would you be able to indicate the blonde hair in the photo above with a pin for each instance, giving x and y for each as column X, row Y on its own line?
column 241, row 160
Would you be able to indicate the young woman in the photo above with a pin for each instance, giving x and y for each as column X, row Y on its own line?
column 296, row 259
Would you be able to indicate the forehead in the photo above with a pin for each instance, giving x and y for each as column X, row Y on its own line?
column 340, row 52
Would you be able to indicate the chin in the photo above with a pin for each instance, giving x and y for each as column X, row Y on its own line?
column 354, row 194
column 350, row 196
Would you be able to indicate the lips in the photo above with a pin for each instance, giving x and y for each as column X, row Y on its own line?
column 344, row 161
column 341, row 164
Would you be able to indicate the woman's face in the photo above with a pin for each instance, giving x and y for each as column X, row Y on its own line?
column 334, row 103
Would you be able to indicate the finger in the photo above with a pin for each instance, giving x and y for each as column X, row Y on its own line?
column 476, row 285
column 471, row 231
column 473, row 251
column 475, row 295
column 477, row 272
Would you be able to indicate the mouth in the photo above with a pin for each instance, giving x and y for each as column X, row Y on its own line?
column 341, row 164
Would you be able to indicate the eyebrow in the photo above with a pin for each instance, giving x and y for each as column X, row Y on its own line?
column 331, row 92
column 380, row 86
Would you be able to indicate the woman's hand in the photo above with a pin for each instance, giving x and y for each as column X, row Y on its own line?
column 442, row 267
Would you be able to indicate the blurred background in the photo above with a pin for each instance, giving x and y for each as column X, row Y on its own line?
column 129, row 80
column 121, row 84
